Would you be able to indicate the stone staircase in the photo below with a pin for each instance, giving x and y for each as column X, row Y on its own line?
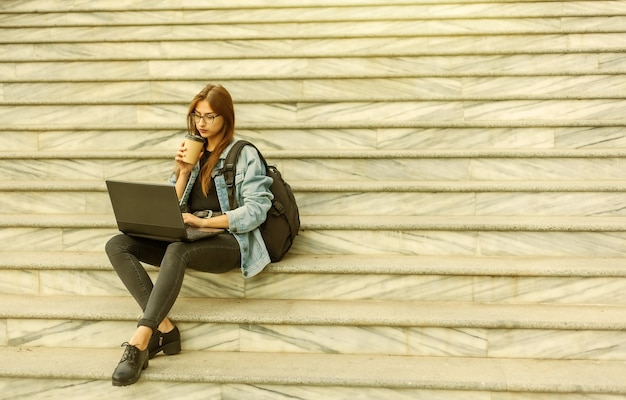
column 458, row 165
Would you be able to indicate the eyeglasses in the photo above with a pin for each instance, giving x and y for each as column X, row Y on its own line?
column 208, row 118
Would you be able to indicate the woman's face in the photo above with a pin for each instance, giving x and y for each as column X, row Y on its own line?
column 210, row 125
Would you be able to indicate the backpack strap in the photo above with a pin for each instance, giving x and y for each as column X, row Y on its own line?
column 229, row 169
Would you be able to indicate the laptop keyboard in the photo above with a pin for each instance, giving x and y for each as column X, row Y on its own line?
column 194, row 234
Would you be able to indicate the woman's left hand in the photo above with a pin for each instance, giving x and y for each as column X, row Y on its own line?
column 221, row 221
column 192, row 220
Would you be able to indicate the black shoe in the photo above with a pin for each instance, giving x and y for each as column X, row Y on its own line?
column 168, row 342
column 132, row 363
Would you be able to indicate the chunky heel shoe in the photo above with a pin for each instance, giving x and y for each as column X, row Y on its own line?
column 168, row 342
column 132, row 363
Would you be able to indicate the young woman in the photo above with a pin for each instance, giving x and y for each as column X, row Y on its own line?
column 200, row 187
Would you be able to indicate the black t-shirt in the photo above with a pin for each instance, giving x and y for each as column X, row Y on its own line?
column 197, row 200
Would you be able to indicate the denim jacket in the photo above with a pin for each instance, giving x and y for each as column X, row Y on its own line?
column 254, row 199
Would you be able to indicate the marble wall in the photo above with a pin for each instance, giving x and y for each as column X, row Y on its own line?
column 494, row 129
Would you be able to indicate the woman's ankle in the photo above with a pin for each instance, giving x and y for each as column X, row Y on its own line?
column 141, row 338
column 166, row 326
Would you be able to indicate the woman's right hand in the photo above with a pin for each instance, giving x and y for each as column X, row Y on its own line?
column 183, row 167
column 183, row 171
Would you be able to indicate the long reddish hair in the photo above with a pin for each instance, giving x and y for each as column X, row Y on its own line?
column 221, row 103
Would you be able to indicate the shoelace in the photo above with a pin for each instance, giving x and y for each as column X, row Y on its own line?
column 129, row 354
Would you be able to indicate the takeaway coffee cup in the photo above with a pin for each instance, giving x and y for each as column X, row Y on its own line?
column 194, row 146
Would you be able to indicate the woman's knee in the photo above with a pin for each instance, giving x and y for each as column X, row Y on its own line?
column 178, row 251
column 118, row 243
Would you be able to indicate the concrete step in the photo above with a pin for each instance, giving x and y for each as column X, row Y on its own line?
column 501, row 280
column 88, row 371
column 480, row 223
column 434, row 223
column 389, row 235
column 320, row 29
column 402, row 328
column 367, row 166
column 286, row 114
column 341, row 198
column 316, row 90
column 580, row 8
column 17, row 7
column 318, row 67
column 17, row 15
column 306, row 48
column 444, row 136
column 354, row 265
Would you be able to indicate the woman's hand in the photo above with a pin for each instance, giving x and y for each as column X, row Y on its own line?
column 220, row 221
column 194, row 221
column 183, row 167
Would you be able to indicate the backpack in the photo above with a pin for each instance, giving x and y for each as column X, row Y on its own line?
column 283, row 218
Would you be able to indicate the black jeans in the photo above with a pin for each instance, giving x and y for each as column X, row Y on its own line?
column 217, row 255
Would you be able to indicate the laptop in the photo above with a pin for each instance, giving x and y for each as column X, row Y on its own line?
column 151, row 210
